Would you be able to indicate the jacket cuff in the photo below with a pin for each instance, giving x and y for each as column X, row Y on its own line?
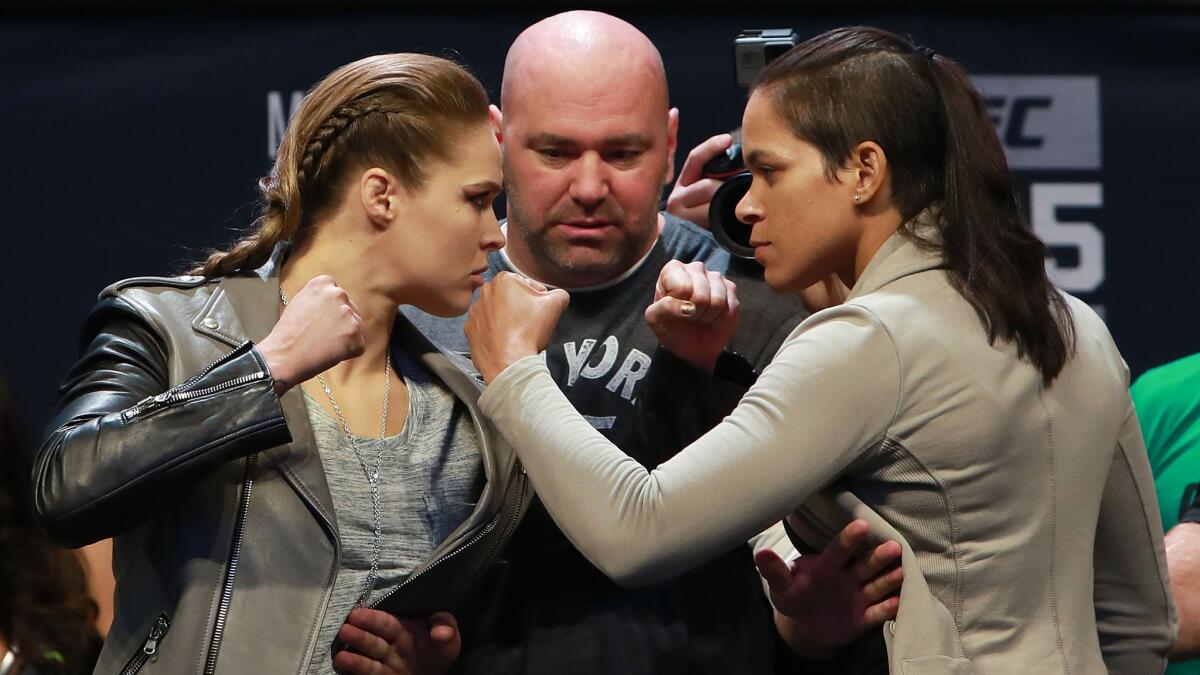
column 103, row 474
column 243, row 367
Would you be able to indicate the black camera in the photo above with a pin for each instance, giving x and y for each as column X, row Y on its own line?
column 752, row 51
column 732, row 234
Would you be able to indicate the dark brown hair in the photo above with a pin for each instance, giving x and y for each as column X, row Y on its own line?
column 46, row 614
column 858, row 84
column 396, row 111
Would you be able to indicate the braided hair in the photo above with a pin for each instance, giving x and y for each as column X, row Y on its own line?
column 395, row 111
column 328, row 132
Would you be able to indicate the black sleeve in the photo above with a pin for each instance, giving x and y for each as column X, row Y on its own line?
column 122, row 442
column 678, row 404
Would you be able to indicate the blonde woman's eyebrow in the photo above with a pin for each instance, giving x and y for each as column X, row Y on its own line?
column 485, row 185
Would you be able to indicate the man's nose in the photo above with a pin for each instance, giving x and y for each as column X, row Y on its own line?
column 589, row 185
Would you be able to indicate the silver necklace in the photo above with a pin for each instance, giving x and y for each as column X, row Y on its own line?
column 372, row 473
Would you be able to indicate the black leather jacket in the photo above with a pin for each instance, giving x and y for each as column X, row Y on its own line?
column 169, row 437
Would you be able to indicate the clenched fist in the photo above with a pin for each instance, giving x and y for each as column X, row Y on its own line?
column 318, row 329
column 695, row 312
column 513, row 318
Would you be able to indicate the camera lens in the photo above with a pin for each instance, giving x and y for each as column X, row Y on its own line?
column 731, row 233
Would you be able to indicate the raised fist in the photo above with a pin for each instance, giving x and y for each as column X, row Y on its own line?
column 318, row 329
column 695, row 312
column 513, row 318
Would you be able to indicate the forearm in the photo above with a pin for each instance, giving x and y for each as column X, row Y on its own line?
column 1183, row 565
column 533, row 415
column 122, row 441
column 749, row 471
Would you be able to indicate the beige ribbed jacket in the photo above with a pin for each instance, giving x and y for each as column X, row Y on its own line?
column 1027, row 514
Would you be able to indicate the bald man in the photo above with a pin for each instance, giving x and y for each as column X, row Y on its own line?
column 589, row 140
column 589, row 143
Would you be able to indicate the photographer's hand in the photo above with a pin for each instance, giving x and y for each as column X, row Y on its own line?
column 692, row 192
column 695, row 312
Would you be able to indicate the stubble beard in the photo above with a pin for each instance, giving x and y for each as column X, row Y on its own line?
column 560, row 262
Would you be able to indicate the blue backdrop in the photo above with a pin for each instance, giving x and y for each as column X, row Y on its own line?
column 134, row 142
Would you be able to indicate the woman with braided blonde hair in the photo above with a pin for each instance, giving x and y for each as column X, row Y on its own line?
column 285, row 463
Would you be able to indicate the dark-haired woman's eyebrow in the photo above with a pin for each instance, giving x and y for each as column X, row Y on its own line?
column 758, row 157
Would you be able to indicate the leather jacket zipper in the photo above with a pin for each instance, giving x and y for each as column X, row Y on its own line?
column 149, row 648
column 183, row 392
column 152, row 404
column 214, row 646
column 513, row 517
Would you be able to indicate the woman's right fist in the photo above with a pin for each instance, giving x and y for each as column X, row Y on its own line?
column 514, row 317
column 318, row 329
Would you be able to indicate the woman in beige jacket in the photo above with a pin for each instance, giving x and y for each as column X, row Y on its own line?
column 955, row 400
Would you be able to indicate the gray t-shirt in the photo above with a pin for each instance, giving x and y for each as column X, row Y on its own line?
column 430, row 478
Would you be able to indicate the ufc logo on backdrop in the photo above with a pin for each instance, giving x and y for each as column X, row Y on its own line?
column 278, row 116
column 1051, row 124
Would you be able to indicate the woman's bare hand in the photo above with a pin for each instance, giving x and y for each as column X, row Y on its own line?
column 513, row 318
column 319, row 328
column 378, row 643
column 825, row 601
column 695, row 312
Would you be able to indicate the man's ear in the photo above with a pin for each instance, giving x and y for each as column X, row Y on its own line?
column 380, row 195
column 672, row 143
column 496, row 118
column 870, row 166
